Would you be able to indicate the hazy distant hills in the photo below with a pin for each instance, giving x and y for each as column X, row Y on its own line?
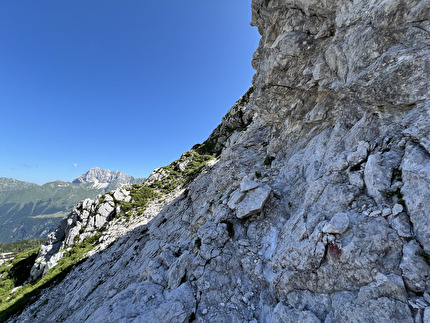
column 28, row 210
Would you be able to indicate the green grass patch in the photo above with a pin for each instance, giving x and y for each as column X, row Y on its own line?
column 21, row 246
column 141, row 195
column 14, row 273
column 18, row 271
column 268, row 160
column 181, row 171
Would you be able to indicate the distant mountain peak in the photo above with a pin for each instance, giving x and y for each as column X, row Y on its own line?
column 102, row 178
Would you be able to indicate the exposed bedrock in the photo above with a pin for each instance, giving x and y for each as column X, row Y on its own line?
column 316, row 211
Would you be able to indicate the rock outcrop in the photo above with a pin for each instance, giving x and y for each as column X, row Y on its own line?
column 315, row 208
column 86, row 219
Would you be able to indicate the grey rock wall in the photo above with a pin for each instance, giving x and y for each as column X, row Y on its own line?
column 316, row 212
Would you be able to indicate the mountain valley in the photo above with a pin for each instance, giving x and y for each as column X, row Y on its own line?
column 29, row 211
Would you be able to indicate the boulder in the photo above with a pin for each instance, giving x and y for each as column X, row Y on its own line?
column 338, row 224
column 250, row 202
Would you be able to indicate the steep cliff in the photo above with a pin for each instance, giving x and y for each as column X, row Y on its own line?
column 315, row 208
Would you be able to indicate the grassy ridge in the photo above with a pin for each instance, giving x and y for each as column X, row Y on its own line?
column 21, row 246
column 181, row 171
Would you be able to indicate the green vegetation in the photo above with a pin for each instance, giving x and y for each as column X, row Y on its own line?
column 140, row 195
column 180, row 171
column 234, row 121
column 208, row 147
column 391, row 193
column 397, row 193
column 245, row 98
column 268, row 160
column 16, row 272
column 102, row 198
column 396, row 176
column 356, row 167
column 34, row 209
column 21, row 246
column 13, row 274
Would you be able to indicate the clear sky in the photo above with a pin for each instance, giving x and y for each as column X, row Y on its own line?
column 124, row 85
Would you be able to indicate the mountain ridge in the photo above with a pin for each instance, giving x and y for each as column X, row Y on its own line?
column 29, row 210
column 103, row 178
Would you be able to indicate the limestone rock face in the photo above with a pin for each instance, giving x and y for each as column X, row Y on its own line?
column 249, row 199
column 415, row 270
column 87, row 219
column 338, row 224
column 416, row 190
column 315, row 209
column 106, row 179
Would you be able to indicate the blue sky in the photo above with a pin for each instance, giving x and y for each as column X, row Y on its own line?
column 123, row 85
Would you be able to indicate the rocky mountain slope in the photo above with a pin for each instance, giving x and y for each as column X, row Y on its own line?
column 29, row 211
column 106, row 179
column 315, row 208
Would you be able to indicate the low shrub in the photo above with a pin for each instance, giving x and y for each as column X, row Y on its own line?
column 268, row 160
